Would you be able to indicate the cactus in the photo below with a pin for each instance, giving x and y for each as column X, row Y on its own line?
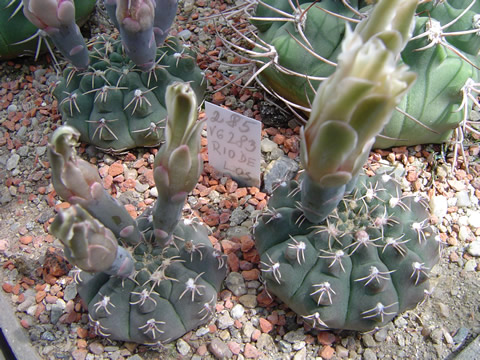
column 366, row 263
column 148, row 280
column 19, row 37
column 116, row 107
column 298, row 44
column 143, row 25
column 343, row 250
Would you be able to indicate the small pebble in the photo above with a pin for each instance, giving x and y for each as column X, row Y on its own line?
column 474, row 248
column 219, row 349
column 368, row 354
column 368, row 340
column 249, row 301
column 470, row 265
column 182, row 347
column 300, row 355
column 237, row 311
column 474, row 219
column 439, row 206
column 12, row 162
column 224, row 321
column 267, row 145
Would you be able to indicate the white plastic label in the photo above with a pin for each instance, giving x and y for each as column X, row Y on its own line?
column 234, row 144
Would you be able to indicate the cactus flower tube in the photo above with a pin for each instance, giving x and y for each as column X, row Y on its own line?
column 353, row 105
column 135, row 23
column 78, row 182
column 90, row 245
column 165, row 11
column 57, row 19
column 178, row 164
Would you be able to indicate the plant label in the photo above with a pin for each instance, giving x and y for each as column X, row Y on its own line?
column 234, row 144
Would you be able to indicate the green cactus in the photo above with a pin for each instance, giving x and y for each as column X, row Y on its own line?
column 343, row 250
column 148, row 280
column 366, row 263
column 115, row 106
column 298, row 46
column 19, row 37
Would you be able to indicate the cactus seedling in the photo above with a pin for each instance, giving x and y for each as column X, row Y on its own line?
column 298, row 44
column 152, row 279
column 341, row 249
column 115, row 106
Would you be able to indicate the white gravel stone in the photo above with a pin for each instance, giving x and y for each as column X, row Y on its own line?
column 463, row 199
column 154, row 192
column 183, row 347
column 474, row 248
column 237, row 311
column 439, row 206
column 474, row 219
column 464, row 233
column 268, row 145
column 470, row 265
column 13, row 162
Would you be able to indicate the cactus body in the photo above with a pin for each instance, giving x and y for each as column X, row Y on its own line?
column 173, row 290
column 366, row 263
column 117, row 107
column 18, row 36
column 306, row 48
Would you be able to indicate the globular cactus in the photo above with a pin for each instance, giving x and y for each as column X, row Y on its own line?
column 115, row 106
column 19, row 37
column 146, row 280
column 366, row 263
column 343, row 250
column 298, row 44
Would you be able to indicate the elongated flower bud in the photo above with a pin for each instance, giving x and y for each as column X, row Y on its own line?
column 72, row 177
column 89, row 244
column 134, row 19
column 165, row 11
column 57, row 19
column 353, row 105
column 78, row 182
column 178, row 164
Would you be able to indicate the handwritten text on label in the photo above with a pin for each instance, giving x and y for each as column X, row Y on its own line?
column 234, row 144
